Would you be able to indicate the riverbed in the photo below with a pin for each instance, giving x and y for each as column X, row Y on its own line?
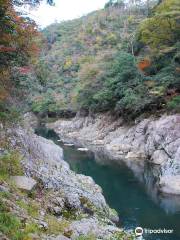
column 124, row 192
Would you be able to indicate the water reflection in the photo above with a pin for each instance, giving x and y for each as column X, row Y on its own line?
column 147, row 174
column 170, row 203
column 138, row 204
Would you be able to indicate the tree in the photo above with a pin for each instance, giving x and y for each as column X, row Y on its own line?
column 18, row 35
column 162, row 29
column 18, row 46
column 110, row 3
column 115, row 3
column 16, row 32
column 30, row 2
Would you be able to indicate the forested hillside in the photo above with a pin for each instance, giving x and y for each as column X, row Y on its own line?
column 123, row 58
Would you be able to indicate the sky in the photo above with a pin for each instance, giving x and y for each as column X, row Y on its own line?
column 44, row 15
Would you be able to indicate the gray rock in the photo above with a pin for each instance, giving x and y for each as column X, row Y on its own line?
column 57, row 210
column 3, row 237
column 91, row 226
column 43, row 225
column 56, row 204
column 30, row 120
column 72, row 201
column 4, row 189
column 113, row 216
column 159, row 157
column 170, row 184
column 23, row 182
column 43, row 160
column 151, row 140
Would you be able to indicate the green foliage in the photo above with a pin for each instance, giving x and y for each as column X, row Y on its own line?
column 76, row 57
column 12, row 227
column 54, row 226
column 40, row 105
column 43, row 104
column 114, row 3
column 9, row 225
column 162, row 29
column 31, row 208
column 122, row 236
column 10, row 165
column 87, row 237
column 70, row 214
column 119, row 87
column 134, row 102
column 7, row 113
column 42, row 72
column 93, row 63
column 174, row 104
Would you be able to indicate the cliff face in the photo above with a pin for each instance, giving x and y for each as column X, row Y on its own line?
column 155, row 142
column 68, row 197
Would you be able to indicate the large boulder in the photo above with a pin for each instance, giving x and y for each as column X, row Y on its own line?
column 170, row 184
column 23, row 182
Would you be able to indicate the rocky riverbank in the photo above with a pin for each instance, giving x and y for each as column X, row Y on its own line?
column 47, row 195
column 150, row 142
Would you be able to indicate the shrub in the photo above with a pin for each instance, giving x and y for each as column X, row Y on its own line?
column 10, row 165
column 134, row 102
column 7, row 113
column 161, row 30
column 122, row 236
column 32, row 208
column 42, row 103
column 174, row 104
column 55, row 226
column 12, row 227
column 9, row 225
column 121, row 88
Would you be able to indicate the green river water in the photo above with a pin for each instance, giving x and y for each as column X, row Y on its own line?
column 124, row 192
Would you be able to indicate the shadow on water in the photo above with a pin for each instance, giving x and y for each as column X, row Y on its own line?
column 124, row 192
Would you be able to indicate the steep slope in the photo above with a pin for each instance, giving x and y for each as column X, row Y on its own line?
column 78, row 47
column 61, row 205
column 114, row 59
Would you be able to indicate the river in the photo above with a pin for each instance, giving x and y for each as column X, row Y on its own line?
column 123, row 192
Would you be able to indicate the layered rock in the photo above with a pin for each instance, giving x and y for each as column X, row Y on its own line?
column 63, row 194
column 152, row 141
column 44, row 160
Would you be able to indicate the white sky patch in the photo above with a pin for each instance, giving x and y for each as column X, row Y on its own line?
column 63, row 10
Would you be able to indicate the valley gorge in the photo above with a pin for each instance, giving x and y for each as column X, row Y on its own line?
column 90, row 120
column 72, row 203
column 152, row 141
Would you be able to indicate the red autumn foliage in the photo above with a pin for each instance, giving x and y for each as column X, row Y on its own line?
column 25, row 70
column 7, row 49
column 17, row 33
column 143, row 64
